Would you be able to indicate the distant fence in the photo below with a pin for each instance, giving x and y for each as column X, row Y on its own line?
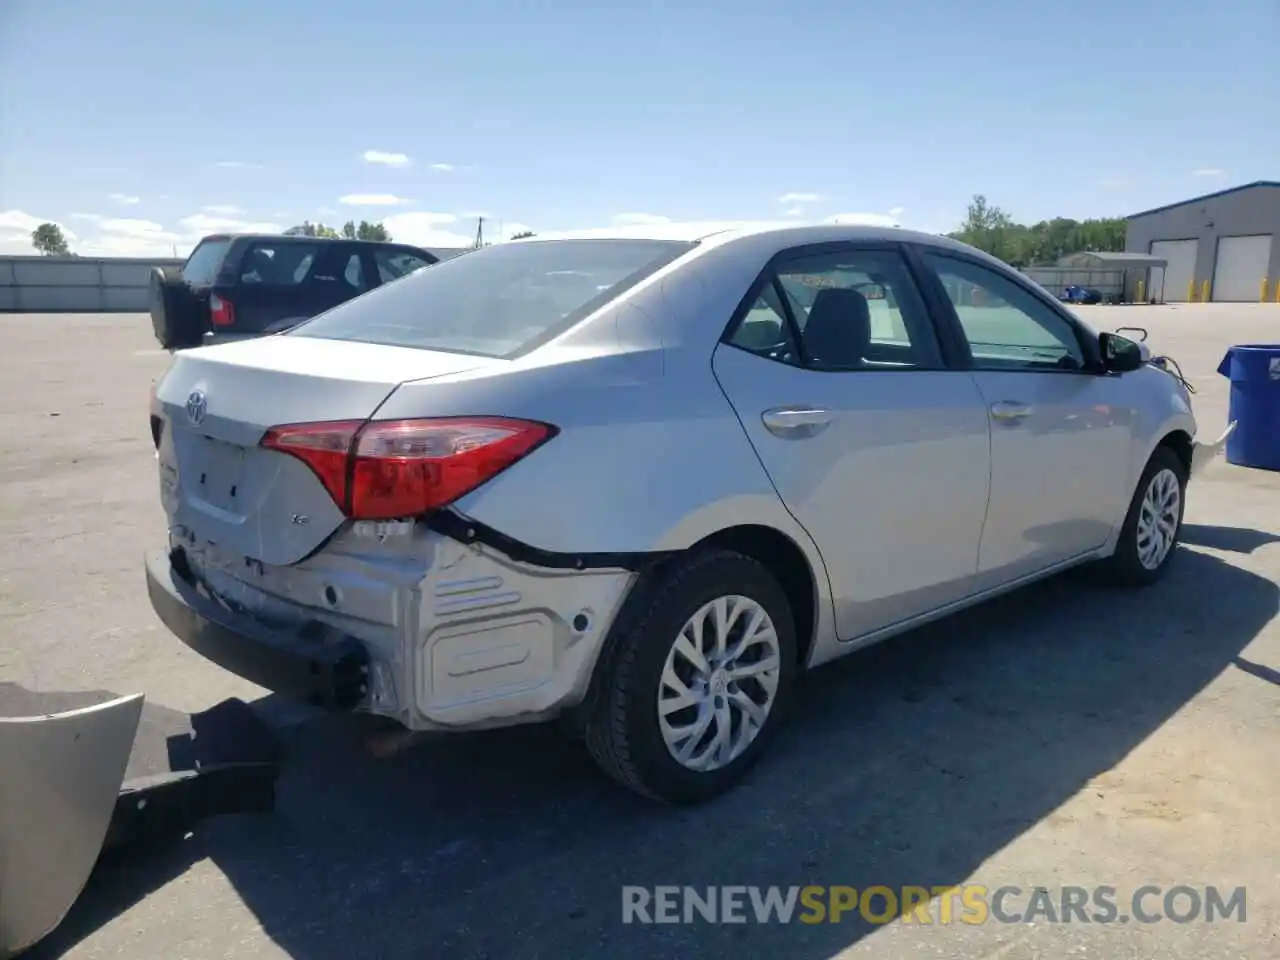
column 76, row 284
column 1111, row 283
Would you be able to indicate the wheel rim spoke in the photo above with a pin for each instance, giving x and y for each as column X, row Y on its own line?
column 1158, row 518
column 719, row 683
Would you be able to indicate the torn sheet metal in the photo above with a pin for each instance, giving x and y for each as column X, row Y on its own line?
column 60, row 776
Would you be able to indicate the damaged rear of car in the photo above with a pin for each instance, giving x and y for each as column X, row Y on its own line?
column 308, row 481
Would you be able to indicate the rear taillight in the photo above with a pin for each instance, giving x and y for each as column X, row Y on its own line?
column 221, row 312
column 387, row 469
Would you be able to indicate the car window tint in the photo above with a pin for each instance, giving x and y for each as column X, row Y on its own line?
column 394, row 264
column 277, row 263
column 354, row 273
column 499, row 301
column 858, row 310
column 1007, row 327
column 764, row 330
column 201, row 268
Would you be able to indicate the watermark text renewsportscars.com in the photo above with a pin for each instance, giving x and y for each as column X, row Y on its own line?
column 971, row 904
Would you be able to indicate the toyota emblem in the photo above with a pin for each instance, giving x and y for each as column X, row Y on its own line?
column 197, row 406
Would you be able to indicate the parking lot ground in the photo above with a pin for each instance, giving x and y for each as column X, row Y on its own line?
column 1062, row 735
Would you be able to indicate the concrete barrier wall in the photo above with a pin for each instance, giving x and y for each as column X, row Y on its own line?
column 76, row 284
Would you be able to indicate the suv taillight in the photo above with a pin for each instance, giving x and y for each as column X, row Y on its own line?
column 388, row 469
column 221, row 312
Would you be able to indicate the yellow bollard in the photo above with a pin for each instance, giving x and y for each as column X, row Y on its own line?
column 1204, row 292
column 1262, row 291
column 1191, row 291
column 1138, row 298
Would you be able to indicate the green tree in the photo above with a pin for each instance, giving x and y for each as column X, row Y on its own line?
column 349, row 230
column 992, row 230
column 309, row 229
column 49, row 240
column 372, row 231
column 522, row 235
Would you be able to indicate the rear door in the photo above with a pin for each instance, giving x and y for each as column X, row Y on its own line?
column 1060, row 430
column 877, row 448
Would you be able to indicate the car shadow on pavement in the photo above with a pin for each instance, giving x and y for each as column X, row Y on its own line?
column 1233, row 539
column 910, row 763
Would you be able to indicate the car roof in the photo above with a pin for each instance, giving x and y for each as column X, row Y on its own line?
column 871, row 228
column 302, row 238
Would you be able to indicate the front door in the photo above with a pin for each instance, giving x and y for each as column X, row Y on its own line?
column 1059, row 430
column 875, row 448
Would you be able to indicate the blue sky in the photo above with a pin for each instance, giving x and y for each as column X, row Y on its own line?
column 139, row 125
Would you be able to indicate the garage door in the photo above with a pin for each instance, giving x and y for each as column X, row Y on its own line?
column 1181, row 270
column 1241, row 267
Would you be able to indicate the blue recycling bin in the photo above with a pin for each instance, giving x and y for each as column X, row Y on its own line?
column 1254, row 372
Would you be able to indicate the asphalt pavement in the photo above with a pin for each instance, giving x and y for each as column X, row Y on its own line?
column 1065, row 735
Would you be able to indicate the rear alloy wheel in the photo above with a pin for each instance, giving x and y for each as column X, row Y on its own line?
column 697, row 680
column 1152, row 527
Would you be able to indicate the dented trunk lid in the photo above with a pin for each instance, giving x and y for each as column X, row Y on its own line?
column 218, row 485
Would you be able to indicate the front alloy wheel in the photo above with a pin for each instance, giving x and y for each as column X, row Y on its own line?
column 1158, row 519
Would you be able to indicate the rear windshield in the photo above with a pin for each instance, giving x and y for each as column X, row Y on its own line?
column 201, row 268
column 499, row 301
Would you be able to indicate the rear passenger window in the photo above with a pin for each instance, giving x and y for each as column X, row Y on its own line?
column 277, row 263
column 855, row 310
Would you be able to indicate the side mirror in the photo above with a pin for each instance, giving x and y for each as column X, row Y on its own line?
column 1119, row 354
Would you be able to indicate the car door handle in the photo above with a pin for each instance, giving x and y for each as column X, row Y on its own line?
column 796, row 422
column 1010, row 410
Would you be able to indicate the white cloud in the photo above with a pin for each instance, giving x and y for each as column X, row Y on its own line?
column 223, row 210
column 1207, row 172
column 237, row 165
column 387, row 159
column 639, row 219
column 896, row 212
column 124, row 199
column 443, row 167
column 373, row 200
column 793, row 212
column 427, row 229
column 791, row 199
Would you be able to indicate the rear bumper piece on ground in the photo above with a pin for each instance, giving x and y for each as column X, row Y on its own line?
column 323, row 671
column 59, row 779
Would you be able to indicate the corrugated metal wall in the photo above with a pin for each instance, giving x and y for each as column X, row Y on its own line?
column 76, row 284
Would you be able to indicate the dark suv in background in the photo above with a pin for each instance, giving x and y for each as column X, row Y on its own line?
column 243, row 285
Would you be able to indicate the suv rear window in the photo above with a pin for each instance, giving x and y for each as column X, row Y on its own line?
column 201, row 268
column 500, row 301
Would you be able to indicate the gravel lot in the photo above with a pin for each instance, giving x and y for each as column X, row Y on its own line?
column 1062, row 735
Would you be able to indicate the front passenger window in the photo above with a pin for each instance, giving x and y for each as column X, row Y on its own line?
column 1007, row 327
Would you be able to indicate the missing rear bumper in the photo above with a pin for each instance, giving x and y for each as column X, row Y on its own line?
column 324, row 672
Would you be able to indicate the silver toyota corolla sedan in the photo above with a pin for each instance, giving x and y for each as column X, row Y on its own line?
column 639, row 480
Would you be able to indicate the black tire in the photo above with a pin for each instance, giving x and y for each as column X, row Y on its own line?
column 620, row 722
column 1125, row 568
column 173, row 311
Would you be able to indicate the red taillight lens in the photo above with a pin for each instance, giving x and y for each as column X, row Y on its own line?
column 387, row 469
column 221, row 312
